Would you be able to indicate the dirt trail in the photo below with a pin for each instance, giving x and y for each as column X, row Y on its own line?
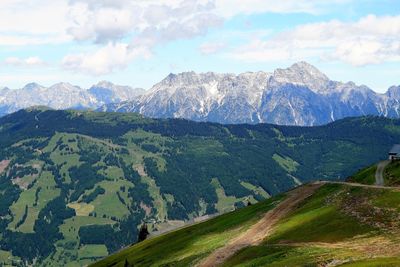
column 379, row 172
column 361, row 185
column 259, row 231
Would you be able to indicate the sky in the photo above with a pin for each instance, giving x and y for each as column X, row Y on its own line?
column 139, row 42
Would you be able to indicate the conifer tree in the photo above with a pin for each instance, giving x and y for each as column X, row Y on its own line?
column 143, row 233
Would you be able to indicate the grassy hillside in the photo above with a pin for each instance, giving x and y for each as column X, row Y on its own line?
column 391, row 175
column 193, row 242
column 338, row 225
column 364, row 176
column 75, row 186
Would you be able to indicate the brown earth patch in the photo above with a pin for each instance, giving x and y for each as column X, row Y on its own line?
column 140, row 169
column 4, row 164
column 146, row 208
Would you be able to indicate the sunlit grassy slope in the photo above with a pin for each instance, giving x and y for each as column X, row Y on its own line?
column 364, row 176
column 338, row 225
column 391, row 175
column 181, row 247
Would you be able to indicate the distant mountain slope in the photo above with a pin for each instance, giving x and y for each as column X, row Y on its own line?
column 75, row 185
column 338, row 225
column 298, row 95
column 64, row 96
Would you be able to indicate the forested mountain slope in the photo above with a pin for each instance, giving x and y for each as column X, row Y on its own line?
column 76, row 185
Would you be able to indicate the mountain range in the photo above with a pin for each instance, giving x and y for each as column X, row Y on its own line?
column 64, row 96
column 299, row 95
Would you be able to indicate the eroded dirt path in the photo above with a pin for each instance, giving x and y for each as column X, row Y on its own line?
column 259, row 231
column 379, row 172
column 361, row 185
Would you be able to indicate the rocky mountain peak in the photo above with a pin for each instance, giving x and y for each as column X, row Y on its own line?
column 4, row 89
column 181, row 78
column 104, row 84
column 189, row 78
column 305, row 67
column 303, row 74
column 32, row 86
column 64, row 86
column 394, row 92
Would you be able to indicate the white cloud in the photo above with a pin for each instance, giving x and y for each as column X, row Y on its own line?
column 102, row 21
column 105, row 60
column 101, row 25
column 211, row 47
column 230, row 8
column 152, row 23
column 105, row 20
column 126, row 29
column 12, row 40
column 33, row 22
column 24, row 62
column 148, row 25
column 371, row 40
